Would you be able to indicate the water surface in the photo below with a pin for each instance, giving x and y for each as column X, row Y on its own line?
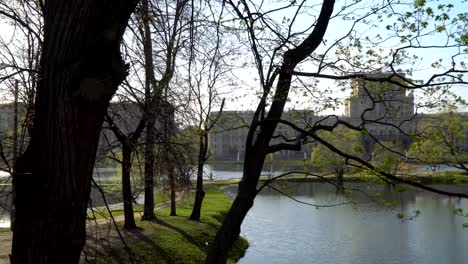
column 280, row 230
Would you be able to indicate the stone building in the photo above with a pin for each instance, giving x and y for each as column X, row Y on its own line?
column 6, row 118
column 227, row 139
column 126, row 116
column 386, row 111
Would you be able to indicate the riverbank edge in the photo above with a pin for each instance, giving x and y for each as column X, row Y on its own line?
column 446, row 178
column 175, row 239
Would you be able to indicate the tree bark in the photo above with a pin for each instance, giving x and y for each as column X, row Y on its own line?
column 172, row 185
column 230, row 229
column 200, row 193
column 127, row 187
column 81, row 68
column 148, row 210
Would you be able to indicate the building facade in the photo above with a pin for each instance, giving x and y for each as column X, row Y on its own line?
column 385, row 110
column 6, row 118
column 227, row 138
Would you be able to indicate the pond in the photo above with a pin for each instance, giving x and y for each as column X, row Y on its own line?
column 281, row 230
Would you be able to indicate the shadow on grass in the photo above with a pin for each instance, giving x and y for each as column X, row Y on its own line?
column 218, row 217
column 144, row 238
column 94, row 253
column 182, row 232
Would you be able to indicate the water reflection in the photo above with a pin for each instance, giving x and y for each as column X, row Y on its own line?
column 282, row 231
column 234, row 170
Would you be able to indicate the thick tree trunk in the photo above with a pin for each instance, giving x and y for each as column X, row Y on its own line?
column 81, row 68
column 127, row 187
column 200, row 193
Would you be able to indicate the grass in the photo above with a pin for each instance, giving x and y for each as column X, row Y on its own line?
column 447, row 177
column 225, row 162
column 267, row 162
column 175, row 239
column 6, row 181
column 161, row 197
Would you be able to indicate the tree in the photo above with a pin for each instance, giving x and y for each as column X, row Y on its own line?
column 81, row 68
column 19, row 65
column 326, row 160
column 164, row 45
column 277, row 52
column 151, row 97
column 207, row 69
column 439, row 140
column 128, row 142
column 387, row 156
column 257, row 143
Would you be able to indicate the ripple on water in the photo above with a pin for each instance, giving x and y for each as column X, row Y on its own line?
column 282, row 231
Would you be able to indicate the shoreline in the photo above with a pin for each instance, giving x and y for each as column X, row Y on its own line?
column 448, row 178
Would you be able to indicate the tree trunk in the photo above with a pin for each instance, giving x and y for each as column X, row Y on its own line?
column 127, row 187
column 257, row 147
column 230, row 229
column 148, row 210
column 253, row 163
column 172, row 183
column 200, row 193
column 340, row 182
column 81, row 68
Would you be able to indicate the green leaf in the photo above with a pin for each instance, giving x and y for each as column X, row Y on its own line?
column 419, row 3
column 429, row 11
column 464, row 39
column 440, row 28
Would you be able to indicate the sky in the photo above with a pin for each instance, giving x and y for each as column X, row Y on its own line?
column 338, row 27
column 241, row 94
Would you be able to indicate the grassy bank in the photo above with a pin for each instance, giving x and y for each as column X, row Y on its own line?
column 174, row 239
column 267, row 162
column 161, row 198
column 420, row 177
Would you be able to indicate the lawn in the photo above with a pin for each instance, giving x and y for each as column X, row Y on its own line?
column 174, row 239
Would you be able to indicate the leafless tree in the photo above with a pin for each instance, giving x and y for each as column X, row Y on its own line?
column 208, row 71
